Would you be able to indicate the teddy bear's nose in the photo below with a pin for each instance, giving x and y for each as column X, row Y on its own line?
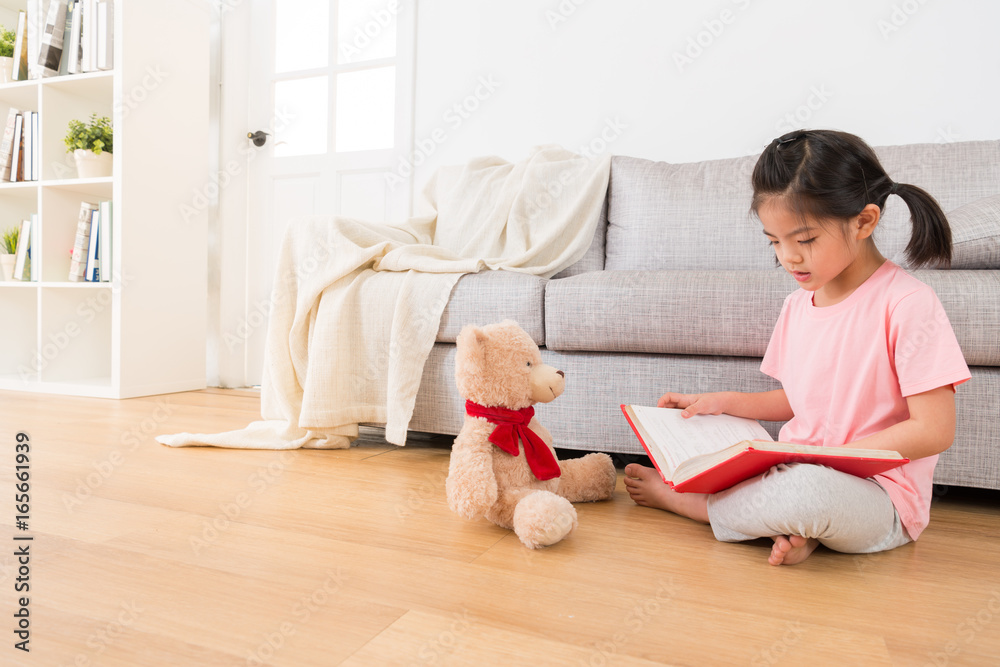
column 561, row 374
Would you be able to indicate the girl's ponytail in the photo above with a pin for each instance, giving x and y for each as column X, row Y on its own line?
column 930, row 240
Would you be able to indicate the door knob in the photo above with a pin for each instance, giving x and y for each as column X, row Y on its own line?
column 259, row 138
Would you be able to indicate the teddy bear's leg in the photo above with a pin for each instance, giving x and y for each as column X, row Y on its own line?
column 539, row 518
column 591, row 477
column 502, row 512
column 542, row 518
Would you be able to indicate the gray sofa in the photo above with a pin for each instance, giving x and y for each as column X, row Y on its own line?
column 679, row 292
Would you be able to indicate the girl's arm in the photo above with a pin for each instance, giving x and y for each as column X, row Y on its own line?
column 929, row 430
column 765, row 405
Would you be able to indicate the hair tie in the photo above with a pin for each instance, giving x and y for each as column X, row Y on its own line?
column 894, row 188
column 789, row 137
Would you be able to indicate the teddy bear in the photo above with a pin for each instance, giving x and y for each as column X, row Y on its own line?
column 503, row 465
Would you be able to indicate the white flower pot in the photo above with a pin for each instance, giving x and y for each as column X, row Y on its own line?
column 89, row 165
column 7, row 266
column 6, row 69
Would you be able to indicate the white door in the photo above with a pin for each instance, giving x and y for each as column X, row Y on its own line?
column 330, row 82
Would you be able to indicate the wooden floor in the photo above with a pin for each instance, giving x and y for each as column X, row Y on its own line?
column 146, row 555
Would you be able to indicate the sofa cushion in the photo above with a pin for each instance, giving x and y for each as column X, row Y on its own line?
column 727, row 313
column 491, row 296
column 975, row 234
column 683, row 216
column 696, row 215
column 955, row 174
column 971, row 299
column 730, row 313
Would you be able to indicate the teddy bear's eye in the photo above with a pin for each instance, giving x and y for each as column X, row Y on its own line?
column 529, row 364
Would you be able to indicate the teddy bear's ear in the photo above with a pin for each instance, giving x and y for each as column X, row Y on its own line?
column 470, row 357
column 470, row 342
column 470, row 335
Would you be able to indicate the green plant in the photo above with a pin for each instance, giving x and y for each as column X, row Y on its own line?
column 7, row 39
column 9, row 241
column 96, row 135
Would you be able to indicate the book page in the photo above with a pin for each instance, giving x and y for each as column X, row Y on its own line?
column 681, row 439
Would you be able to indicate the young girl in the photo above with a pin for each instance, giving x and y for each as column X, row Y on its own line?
column 864, row 353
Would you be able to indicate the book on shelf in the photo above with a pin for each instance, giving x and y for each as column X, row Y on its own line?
column 22, row 269
column 105, row 34
column 28, row 150
column 51, row 47
column 33, row 249
column 67, row 33
column 97, row 35
column 74, row 55
column 87, row 43
column 25, row 161
column 36, row 148
column 105, row 250
column 81, row 243
column 20, row 72
column 36, row 172
column 56, row 37
column 92, row 274
column 710, row 453
column 17, row 150
column 36, row 25
column 7, row 144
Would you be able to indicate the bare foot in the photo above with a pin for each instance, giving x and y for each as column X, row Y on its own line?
column 648, row 489
column 791, row 549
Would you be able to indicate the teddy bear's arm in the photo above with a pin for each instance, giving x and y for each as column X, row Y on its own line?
column 471, row 486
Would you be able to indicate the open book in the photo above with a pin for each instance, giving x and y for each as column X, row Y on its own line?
column 697, row 455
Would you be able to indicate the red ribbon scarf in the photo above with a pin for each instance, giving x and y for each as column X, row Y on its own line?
column 511, row 425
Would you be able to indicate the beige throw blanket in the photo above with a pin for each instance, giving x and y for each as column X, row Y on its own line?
column 356, row 306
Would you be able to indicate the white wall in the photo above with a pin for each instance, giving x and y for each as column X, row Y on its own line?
column 499, row 77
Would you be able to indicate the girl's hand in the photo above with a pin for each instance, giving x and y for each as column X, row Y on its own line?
column 695, row 404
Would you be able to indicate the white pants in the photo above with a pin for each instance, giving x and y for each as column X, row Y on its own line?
column 844, row 512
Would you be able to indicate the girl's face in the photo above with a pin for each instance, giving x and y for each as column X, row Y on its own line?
column 830, row 260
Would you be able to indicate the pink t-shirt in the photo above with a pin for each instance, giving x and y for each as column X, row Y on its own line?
column 846, row 370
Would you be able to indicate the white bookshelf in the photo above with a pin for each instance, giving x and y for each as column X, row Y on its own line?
column 143, row 332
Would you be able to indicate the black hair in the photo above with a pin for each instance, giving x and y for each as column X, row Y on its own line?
column 825, row 175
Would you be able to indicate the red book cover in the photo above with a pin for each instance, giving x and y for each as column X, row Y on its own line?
column 751, row 461
column 750, row 458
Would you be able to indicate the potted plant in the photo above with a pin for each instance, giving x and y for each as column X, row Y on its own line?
column 8, row 246
column 7, row 39
column 91, row 145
